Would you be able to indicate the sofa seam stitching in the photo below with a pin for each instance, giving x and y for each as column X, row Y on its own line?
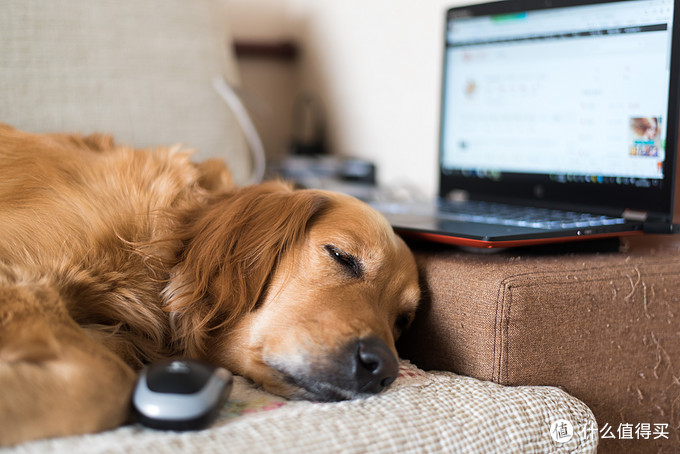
column 496, row 340
column 507, row 336
column 533, row 284
column 501, row 326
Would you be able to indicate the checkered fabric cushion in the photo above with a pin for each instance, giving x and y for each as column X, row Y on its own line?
column 421, row 412
column 139, row 70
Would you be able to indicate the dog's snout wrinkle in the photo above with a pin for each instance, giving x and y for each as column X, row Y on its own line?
column 376, row 365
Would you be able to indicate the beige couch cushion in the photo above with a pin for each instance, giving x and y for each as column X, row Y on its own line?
column 421, row 412
column 141, row 70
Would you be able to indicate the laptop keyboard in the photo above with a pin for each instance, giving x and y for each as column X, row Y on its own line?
column 522, row 216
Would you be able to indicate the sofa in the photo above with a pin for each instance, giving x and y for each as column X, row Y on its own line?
column 506, row 347
column 597, row 319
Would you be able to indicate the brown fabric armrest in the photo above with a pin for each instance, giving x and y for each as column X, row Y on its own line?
column 604, row 326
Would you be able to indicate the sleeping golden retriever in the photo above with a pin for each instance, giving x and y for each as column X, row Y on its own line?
column 112, row 257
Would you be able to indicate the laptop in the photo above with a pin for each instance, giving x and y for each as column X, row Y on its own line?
column 559, row 122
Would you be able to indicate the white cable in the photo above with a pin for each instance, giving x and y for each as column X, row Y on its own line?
column 252, row 137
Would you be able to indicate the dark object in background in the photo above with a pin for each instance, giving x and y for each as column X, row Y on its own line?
column 308, row 127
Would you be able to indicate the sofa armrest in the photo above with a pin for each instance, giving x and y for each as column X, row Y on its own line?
column 601, row 325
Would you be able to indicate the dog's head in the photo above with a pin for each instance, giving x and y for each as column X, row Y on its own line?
column 304, row 292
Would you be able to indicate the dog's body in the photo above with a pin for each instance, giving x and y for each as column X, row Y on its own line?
column 111, row 258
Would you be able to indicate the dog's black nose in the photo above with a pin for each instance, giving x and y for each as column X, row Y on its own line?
column 376, row 365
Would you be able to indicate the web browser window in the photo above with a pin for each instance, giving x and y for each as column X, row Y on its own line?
column 564, row 92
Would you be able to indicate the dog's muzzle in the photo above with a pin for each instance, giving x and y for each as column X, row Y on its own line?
column 362, row 366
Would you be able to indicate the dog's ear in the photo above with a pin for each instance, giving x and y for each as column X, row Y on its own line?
column 230, row 249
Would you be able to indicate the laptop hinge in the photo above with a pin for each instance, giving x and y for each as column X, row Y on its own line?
column 634, row 215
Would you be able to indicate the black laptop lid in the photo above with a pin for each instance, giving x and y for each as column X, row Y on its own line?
column 562, row 102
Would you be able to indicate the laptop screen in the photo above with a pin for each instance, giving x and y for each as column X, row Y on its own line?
column 548, row 101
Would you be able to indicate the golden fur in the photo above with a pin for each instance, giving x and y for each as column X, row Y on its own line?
column 111, row 258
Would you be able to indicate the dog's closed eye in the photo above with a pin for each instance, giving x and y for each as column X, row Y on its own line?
column 350, row 264
column 402, row 321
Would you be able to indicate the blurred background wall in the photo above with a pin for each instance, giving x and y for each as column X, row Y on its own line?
column 372, row 66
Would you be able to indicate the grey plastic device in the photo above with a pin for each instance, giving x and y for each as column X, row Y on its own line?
column 180, row 394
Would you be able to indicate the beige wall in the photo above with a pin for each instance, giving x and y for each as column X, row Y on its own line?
column 375, row 65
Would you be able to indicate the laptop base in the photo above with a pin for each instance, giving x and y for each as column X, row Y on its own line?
column 603, row 239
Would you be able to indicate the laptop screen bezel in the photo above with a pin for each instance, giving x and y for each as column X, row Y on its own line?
column 540, row 189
